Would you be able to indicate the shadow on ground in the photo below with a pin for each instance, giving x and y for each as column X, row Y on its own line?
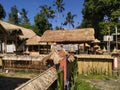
column 10, row 83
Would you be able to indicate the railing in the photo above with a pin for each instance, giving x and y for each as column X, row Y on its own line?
column 41, row 82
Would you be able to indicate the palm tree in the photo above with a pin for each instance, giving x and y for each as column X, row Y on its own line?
column 60, row 8
column 69, row 19
column 47, row 11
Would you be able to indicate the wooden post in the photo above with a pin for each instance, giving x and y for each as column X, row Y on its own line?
column 78, row 49
column 5, row 45
column 47, row 47
column 84, row 47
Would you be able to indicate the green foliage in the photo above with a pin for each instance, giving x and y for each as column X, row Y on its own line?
column 59, row 28
column 2, row 12
column 24, row 21
column 24, row 18
column 60, row 8
column 60, row 79
column 13, row 16
column 94, row 13
column 82, row 85
column 2, row 75
column 74, row 73
column 26, row 25
column 41, row 24
column 60, row 5
column 47, row 11
column 70, row 19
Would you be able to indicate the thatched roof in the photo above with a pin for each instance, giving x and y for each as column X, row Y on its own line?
column 115, row 52
column 86, row 45
column 41, row 82
column 74, row 36
column 96, row 41
column 53, row 55
column 34, row 41
column 26, row 33
column 2, row 29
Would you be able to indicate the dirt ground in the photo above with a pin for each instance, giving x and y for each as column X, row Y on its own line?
column 110, row 84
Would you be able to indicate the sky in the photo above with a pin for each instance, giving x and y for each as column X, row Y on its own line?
column 32, row 6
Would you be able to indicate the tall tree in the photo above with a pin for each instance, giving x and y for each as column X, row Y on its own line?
column 47, row 11
column 13, row 16
column 60, row 8
column 2, row 12
column 95, row 11
column 70, row 19
column 24, row 18
column 41, row 24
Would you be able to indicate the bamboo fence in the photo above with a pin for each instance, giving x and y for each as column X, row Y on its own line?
column 95, row 64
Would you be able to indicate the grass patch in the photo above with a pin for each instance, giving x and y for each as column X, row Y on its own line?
column 2, row 75
column 82, row 85
column 92, row 76
column 82, row 81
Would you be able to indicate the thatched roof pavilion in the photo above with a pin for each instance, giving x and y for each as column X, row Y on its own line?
column 23, row 32
column 68, row 36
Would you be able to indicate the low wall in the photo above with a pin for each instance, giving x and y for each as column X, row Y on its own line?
column 23, row 62
column 95, row 64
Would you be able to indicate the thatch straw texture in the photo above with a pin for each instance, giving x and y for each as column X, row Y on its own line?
column 94, row 56
column 96, row 41
column 74, row 36
column 53, row 55
column 41, row 82
column 86, row 45
column 27, row 33
column 23, row 57
column 2, row 29
column 34, row 41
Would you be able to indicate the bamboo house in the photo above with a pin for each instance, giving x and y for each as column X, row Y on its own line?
column 12, row 37
column 65, row 37
column 33, row 47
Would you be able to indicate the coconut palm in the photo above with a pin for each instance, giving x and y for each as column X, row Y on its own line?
column 47, row 11
column 60, row 7
column 69, row 20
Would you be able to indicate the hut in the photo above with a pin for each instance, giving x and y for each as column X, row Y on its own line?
column 77, row 36
column 33, row 47
column 84, row 46
column 95, row 45
column 13, row 37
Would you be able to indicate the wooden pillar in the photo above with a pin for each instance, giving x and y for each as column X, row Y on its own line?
column 39, row 49
column 47, row 47
column 84, row 47
column 16, row 46
column 1, row 46
column 5, row 45
column 78, row 49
